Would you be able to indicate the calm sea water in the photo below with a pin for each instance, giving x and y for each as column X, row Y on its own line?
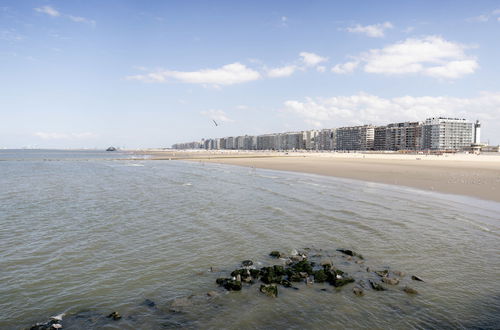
column 87, row 234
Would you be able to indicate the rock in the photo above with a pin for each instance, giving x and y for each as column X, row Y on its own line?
column 247, row 263
column 325, row 262
column 272, row 274
column 276, row 254
column 148, row 303
column 348, row 252
column 229, row 284
column 286, row 283
column 377, row 286
column 115, row 316
column 409, row 290
column 177, row 305
column 398, row 273
column 358, row 291
column 294, row 277
column 233, row 285
column 390, row 280
column 270, row 289
column 339, row 281
column 309, row 281
column 296, row 258
column 52, row 324
column 382, row 273
column 320, row 276
column 255, row 273
column 416, row 278
column 212, row 294
column 302, row 266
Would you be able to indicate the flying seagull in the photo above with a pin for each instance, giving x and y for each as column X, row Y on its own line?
column 215, row 123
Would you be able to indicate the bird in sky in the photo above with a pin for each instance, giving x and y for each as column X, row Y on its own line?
column 215, row 123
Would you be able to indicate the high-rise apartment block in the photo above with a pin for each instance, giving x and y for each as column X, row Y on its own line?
column 436, row 134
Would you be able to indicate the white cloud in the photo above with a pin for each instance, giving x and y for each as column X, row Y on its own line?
column 65, row 136
column 374, row 31
column 217, row 115
column 347, row 67
column 432, row 56
column 284, row 71
column 48, row 10
column 311, row 59
column 484, row 17
column 230, row 74
column 365, row 108
column 79, row 19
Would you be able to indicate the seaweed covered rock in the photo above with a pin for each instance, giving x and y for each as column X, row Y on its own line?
column 320, row 276
column 377, row 286
column 269, row 289
column 114, row 316
column 350, row 253
column 273, row 274
column 229, row 284
column 277, row 254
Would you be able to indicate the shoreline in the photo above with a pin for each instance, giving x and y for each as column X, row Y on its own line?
column 460, row 174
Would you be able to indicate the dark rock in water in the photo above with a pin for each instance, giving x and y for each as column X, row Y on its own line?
column 398, row 273
column 302, row 266
column 286, row 283
column 115, row 316
column 377, row 286
column 50, row 325
column 358, row 291
column 339, row 281
column 409, row 290
column 255, row 273
column 247, row 263
column 272, row 274
column 270, row 289
column 382, row 273
column 229, row 284
column 294, row 277
column 233, row 285
column 148, row 303
column 416, row 278
column 111, row 149
column 212, row 294
column 320, row 276
column 350, row 253
column 276, row 254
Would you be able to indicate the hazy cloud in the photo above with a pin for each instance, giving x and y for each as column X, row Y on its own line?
column 48, row 10
column 365, row 108
column 347, row 67
column 374, row 31
column 230, row 74
column 217, row 115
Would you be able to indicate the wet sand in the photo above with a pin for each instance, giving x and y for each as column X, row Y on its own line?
column 471, row 175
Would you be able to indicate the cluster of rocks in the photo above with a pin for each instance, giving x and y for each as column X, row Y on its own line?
column 300, row 267
column 293, row 271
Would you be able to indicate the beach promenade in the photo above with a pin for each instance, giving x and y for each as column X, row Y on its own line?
column 463, row 174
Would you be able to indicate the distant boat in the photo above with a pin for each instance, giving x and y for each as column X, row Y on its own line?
column 111, row 149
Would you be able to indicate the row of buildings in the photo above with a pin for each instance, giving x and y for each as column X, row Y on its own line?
column 437, row 134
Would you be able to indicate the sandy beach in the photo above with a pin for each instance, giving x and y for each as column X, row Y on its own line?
column 463, row 174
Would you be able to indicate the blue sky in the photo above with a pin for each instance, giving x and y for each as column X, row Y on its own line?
column 141, row 74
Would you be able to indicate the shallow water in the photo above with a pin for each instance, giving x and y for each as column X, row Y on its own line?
column 101, row 235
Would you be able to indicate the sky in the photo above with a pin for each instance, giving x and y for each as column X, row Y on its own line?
column 147, row 74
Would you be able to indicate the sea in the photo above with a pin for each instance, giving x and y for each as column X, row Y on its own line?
column 88, row 233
